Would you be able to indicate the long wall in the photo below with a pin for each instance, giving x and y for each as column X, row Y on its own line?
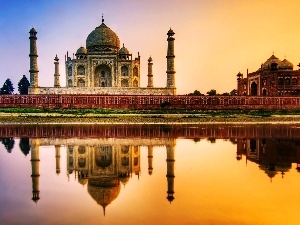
column 149, row 102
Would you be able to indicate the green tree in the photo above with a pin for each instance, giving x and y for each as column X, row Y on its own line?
column 196, row 93
column 7, row 88
column 212, row 92
column 233, row 92
column 225, row 94
column 24, row 145
column 23, row 86
column 8, row 143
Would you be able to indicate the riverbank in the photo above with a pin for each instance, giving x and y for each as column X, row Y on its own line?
column 57, row 118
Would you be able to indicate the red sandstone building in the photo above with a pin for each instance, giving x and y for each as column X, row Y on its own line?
column 273, row 78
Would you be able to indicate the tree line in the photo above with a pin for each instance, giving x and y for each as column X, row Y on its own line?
column 8, row 88
column 213, row 92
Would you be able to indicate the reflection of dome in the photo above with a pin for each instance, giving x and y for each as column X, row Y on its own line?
column 81, row 51
column 272, row 62
column 285, row 65
column 102, row 38
column 82, row 181
column 123, row 50
column 104, row 190
column 124, row 179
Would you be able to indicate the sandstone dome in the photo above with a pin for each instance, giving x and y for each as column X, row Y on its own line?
column 272, row 62
column 285, row 65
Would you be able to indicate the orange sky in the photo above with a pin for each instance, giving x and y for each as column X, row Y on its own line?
column 214, row 39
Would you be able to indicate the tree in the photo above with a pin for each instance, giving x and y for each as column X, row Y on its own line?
column 196, row 93
column 7, row 88
column 24, row 145
column 8, row 143
column 233, row 92
column 23, row 85
column 212, row 92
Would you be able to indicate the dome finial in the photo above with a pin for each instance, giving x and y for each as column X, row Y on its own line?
column 102, row 18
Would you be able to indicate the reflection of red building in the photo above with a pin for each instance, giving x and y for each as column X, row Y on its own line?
column 274, row 155
column 273, row 78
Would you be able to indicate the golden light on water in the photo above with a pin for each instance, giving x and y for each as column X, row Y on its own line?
column 210, row 185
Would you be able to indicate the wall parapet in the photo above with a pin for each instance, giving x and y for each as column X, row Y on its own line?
column 148, row 102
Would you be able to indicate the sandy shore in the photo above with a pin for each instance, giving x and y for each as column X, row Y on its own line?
column 55, row 118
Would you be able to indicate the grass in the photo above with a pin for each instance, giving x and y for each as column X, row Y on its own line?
column 193, row 113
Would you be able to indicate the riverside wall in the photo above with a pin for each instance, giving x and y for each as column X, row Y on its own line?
column 148, row 102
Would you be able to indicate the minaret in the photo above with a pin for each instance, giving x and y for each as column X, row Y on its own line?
column 170, row 172
column 239, row 84
column 35, row 161
column 33, row 59
column 170, row 60
column 57, row 158
column 56, row 72
column 150, row 159
column 150, row 74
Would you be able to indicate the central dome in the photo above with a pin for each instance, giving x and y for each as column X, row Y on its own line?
column 102, row 39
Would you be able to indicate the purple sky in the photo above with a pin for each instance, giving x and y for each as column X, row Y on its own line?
column 214, row 39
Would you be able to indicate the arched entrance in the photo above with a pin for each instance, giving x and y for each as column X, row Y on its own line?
column 253, row 90
column 102, row 76
column 103, row 156
column 264, row 92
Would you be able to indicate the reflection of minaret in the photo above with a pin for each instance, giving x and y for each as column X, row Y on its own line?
column 170, row 172
column 35, row 161
column 150, row 159
column 57, row 157
column 136, row 160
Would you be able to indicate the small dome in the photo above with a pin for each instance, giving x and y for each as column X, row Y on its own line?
column 102, row 39
column 32, row 30
column 271, row 63
column 150, row 59
column 170, row 32
column 124, row 180
column 81, row 51
column 285, row 65
column 124, row 50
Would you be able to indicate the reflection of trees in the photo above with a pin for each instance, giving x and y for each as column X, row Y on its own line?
column 8, row 143
column 211, row 139
column 24, row 145
column 196, row 140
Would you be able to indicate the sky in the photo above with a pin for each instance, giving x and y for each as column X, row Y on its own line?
column 214, row 39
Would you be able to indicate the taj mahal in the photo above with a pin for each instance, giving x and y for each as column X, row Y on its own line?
column 103, row 67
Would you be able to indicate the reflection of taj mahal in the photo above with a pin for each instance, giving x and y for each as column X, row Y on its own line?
column 103, row 164
column 102, row 68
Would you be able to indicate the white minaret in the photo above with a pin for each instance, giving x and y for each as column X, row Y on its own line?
column 170, row 60
column 56, row 72
column 150, row 74
column 33, row 59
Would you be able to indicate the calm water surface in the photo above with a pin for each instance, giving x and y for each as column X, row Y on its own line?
column 150, row 174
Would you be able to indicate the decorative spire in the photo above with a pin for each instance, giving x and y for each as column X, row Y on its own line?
column 102, row 18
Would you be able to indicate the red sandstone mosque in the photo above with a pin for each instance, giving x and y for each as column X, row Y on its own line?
column 273, row 78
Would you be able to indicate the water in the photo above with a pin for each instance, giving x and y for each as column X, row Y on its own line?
column 126, row 174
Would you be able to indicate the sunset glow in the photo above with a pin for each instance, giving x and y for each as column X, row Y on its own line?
column 214, row 40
